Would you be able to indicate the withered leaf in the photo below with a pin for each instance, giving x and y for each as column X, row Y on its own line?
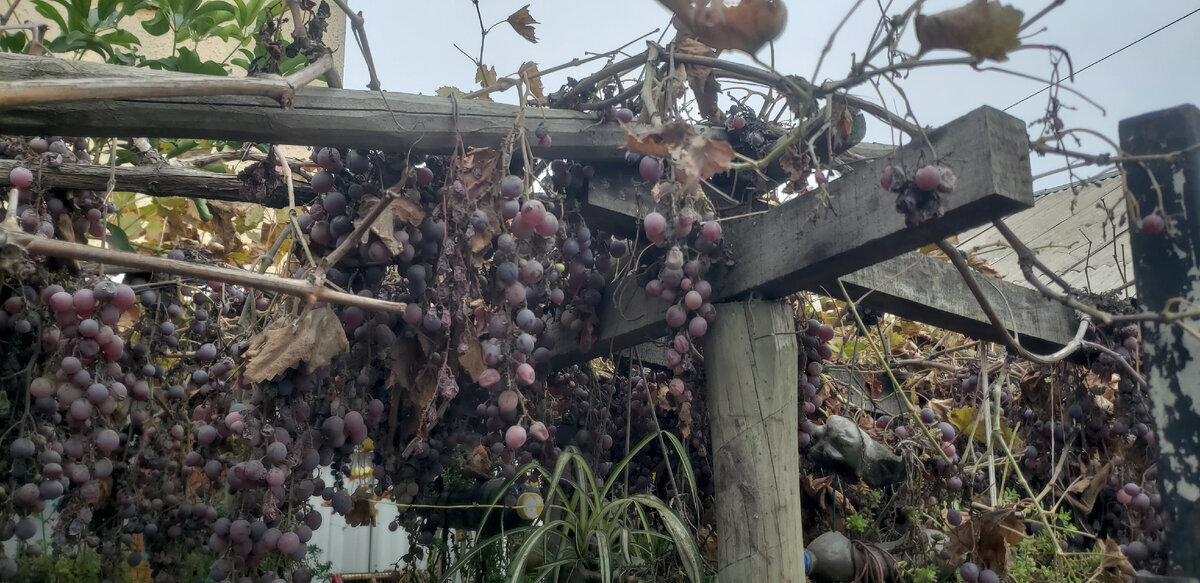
column 985, row 29
column 523, row 22
column 417, row 391
column 701, row 79
column 226, row 233
column 313, row 341
column 1090, row 485
column 479, row 462
column 472, row 360
column 529, row 73
column 485, row 76
column 362, row 512
column 699, row 158
column 986, row 538
column 1115, row 567
column 746, row 26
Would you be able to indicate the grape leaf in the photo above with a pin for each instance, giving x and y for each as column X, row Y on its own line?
column 485, row 75
column 448, row 91
column 746, row 26
column 986, row 538
column 313, row 341
column 701, row 79
column 1114, row 567
column 117, row 239
column 985, row 29
column 529, row 72
column 523, row 22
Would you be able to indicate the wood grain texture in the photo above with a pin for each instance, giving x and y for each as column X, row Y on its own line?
column 924, row 289
column 752, row 403
column 807, row 242
column 320, row 116
column 161, row 180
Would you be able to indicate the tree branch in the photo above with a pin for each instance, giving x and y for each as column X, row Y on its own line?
column 964, row 270
column 360, row 36
column 156, row 180
column 280, row 89
column 293, row 287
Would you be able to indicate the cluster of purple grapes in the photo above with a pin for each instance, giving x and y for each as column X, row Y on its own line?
column 918, row 199
column 814, row 351
column 41, row 217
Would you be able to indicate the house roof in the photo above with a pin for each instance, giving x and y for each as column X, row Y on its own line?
column 1077, row 230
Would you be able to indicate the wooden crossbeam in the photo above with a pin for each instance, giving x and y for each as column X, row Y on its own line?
column 924, row 289
column 320, row 116
column 156, row 180
column 810, row 241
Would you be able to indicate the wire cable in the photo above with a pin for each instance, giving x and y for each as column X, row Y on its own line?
column 1105, row 57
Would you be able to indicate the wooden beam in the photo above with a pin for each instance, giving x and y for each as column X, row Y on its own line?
column 810, row 240
column 1165, row 268
column 924, row 289
column 752, row 408
column 319, row 116
column 156, row 180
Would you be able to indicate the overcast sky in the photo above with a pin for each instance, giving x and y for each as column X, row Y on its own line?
column 413, row 45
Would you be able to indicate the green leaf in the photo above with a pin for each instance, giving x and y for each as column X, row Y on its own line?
column 45, row 9
column 180, row 148
column 217, row 167
column 157, row 26
column 447, row 91
column 122, row 38
column 14, row 43
column 189, row 61
column 117, row 239
column 685, row 545
column 202, row 210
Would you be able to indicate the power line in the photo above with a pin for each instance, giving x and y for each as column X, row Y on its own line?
column 1105, row 57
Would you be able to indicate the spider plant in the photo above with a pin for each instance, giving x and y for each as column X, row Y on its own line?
column 587, row 532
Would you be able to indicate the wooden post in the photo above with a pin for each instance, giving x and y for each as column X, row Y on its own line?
column 1166, row 267
column 750, row 353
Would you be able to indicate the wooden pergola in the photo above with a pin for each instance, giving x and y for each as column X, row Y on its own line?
column 855, row 237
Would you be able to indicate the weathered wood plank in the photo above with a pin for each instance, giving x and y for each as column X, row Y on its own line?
column 927, row 290
column 328, row 117
column 1166, row 270
column 752, row 404
column 805, row 242
column 163, row 180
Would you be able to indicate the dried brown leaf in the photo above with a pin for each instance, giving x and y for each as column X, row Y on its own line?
column 702, row 80
column 699, row 158
column 684, row 425
column 523, row 22
column 986, row 538
column 313, row 340
column 223, row 229
column 978, row 263
column 362, row 512
column 479, row 462
column 645, row 139
column 987, row 30
column 485, row 76
column 746, row 26
column 1114, row 567
column 417, row 390
column 1090, row 484
column 472, row 360
column 529, row 72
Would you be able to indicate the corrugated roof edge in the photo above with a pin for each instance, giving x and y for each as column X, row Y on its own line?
column 1053, row 189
